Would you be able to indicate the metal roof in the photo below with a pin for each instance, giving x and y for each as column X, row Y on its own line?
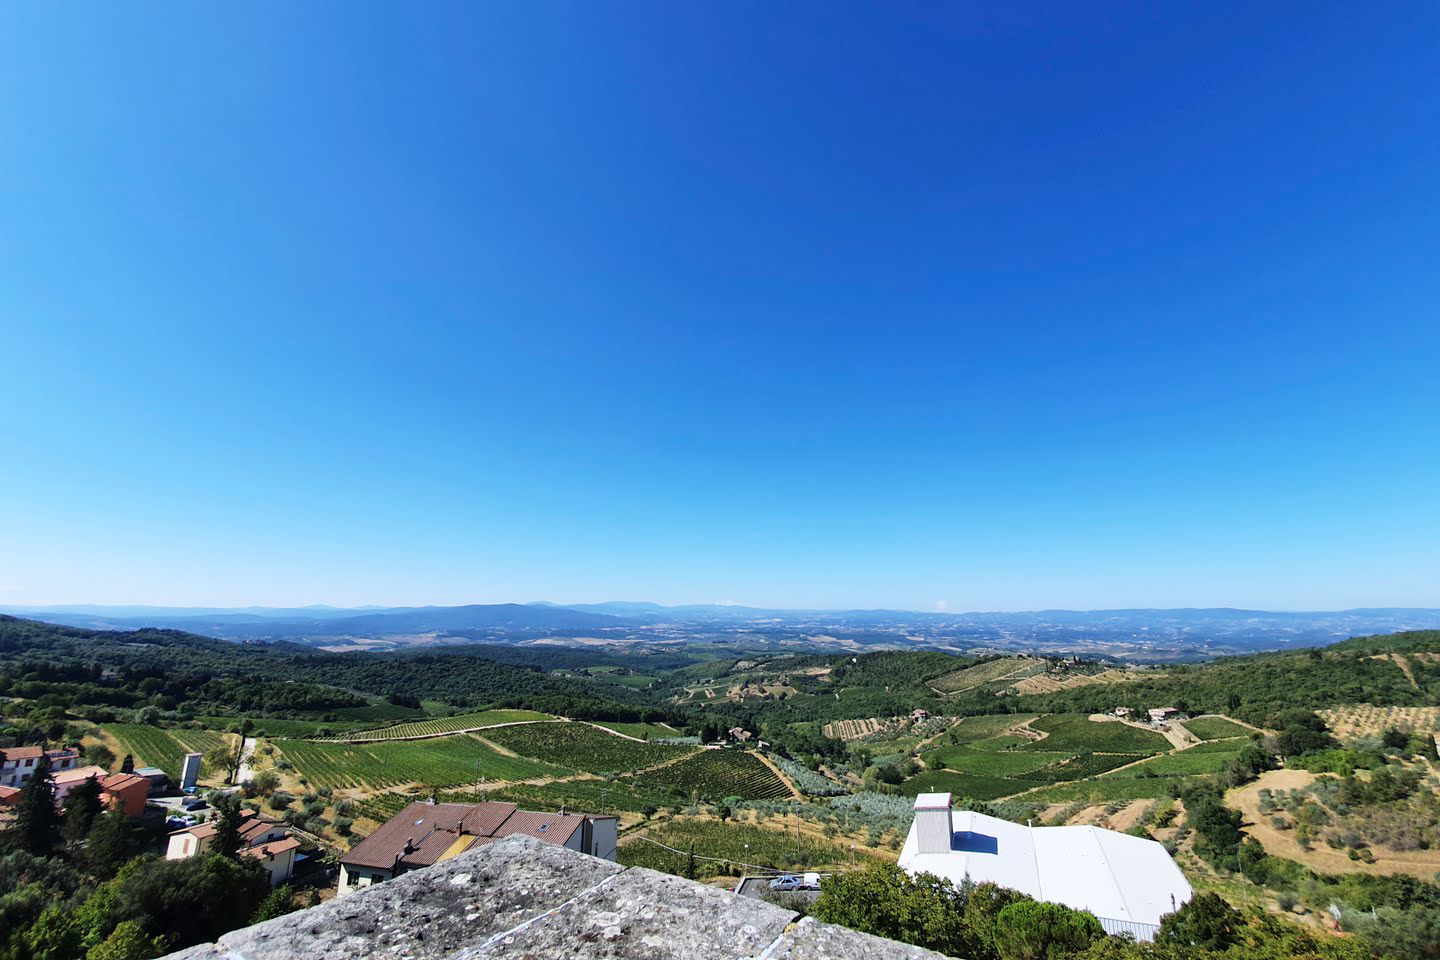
column 1113, row 875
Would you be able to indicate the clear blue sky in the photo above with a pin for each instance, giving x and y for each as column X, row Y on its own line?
column 798, row 304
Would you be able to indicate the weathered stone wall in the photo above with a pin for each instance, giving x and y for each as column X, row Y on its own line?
column 523, row 898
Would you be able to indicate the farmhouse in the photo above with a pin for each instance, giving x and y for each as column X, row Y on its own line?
column 264, row 838
column 426, row 833
column 1121, row 713
column 918, row 715
column 1161, row 714
column 1128, row 882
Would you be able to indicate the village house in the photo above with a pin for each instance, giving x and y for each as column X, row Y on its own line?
column 66, row 782
column 118, row 791
column 263, row 838
column 9, row 796
column 17, row 764
column 125, row 792
column 426, row 833
column 1129, row 883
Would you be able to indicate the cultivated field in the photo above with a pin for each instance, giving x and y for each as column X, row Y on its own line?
column 166, row 749
column 640, row 731
column 441, row 726
column 1077, row 733
column 992, row 671
column 713, row 775
column 962, row 785
column 1050, row 683
column 736, row 843
column 1363, row 720
column 972, row 729
column 1208, row 757
column 1215, row 728
column 1111, row 789
column 582, row 747
column 990, row 763
column 457, row 759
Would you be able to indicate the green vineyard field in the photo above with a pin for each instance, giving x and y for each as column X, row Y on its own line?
column 444, row 725
column 441, row 762
column 580, row 746
column 713, row 775
column 164, row 748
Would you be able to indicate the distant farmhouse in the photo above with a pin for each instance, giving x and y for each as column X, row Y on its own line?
column 426, row 833
column 1129, row 883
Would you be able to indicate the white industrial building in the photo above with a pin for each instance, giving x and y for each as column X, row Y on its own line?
column 1128, row 882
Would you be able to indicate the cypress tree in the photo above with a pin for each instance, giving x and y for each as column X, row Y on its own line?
column 227, row 842
column 81, row 808
column 37, row 825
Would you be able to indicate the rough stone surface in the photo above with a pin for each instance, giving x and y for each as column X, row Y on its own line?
column 523, row 898
column 645, row 914
column 811, row 940
column 428, row 913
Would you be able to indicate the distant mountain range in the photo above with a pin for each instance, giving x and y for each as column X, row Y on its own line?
column 1155, row 634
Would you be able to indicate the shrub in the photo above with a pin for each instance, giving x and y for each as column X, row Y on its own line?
column 1206, row 921
column 1034, row 931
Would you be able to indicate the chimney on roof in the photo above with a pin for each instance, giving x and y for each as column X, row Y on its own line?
column 933, row 831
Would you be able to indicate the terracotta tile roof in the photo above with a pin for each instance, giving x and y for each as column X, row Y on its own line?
column 273, row 848
column 122, row 781
column 555, row 827
column 485, row 818
column 423, row 833
column 8, row 794
column 22, row 753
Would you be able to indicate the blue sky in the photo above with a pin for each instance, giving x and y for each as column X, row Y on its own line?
column 987, row 308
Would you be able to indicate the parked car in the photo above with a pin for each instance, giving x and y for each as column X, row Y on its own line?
column 193, row 803
column 787, row 883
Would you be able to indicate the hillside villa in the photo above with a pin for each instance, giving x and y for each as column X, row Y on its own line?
column 425, row 833
column 1129, row 883
column 17, row 764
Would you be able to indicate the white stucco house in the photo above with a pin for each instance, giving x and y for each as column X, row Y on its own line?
column 264, row 838
column 1129, row 883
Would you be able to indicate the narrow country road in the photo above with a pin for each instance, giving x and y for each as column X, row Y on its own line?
column 247, row 753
